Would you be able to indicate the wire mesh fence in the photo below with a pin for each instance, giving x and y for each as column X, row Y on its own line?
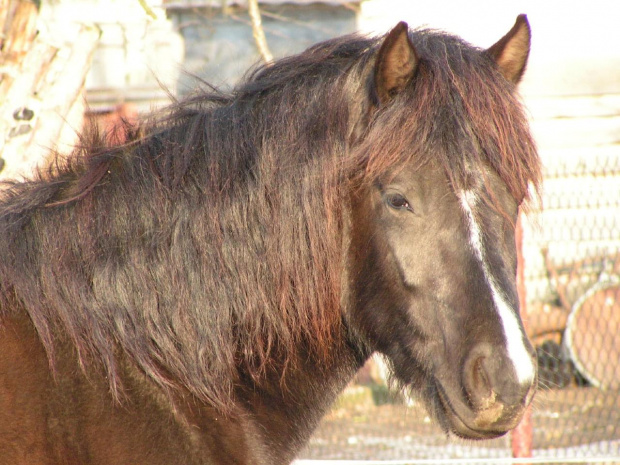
column 574, row 293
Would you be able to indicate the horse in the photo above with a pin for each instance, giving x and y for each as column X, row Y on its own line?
column 202, row 292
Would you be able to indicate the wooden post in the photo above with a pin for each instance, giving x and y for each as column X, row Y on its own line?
column 41, row 87
column 19, row 29
column 522, row 435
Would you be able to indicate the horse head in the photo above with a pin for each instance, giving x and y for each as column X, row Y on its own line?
column 432, row 257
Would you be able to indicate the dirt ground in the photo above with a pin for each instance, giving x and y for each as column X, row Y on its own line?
column 568, row 423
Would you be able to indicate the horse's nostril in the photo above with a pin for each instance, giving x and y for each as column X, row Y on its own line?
column 480, row 380
column 478, row 384
column 476, row 379
column 489, row 378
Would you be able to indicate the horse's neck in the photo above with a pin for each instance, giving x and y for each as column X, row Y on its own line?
column 273, row 420
column 269, row 424
column 288, row 406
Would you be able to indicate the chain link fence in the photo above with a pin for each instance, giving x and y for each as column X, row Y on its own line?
column 573, row 277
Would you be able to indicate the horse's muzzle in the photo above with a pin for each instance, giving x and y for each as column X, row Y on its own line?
column 495, row 399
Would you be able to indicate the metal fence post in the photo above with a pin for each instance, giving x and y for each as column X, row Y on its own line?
column 521, row 438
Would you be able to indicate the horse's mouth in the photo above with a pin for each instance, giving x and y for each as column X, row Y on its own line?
column 465, row 423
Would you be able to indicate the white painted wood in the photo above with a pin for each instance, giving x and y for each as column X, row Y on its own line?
column 593, row 105
column 576, row 132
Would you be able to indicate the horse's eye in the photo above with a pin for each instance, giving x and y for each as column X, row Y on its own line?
column 398, row 202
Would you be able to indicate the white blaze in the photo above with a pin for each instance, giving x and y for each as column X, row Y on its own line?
column 515, row 345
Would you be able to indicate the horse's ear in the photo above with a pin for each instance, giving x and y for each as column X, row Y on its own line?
column 396, row 63
column 511, row 51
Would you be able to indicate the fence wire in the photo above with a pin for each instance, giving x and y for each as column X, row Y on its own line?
column 574, row 310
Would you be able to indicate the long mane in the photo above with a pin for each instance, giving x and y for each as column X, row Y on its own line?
column 213, row 239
